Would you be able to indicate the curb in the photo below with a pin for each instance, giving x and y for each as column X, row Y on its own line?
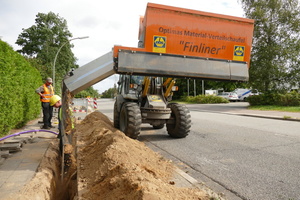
column 193, row 182
column 264, row 116
column 253, row 115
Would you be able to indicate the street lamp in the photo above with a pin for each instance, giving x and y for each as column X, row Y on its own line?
column 58, row 53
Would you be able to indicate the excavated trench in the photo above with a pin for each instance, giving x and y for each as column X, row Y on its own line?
column 106, row 164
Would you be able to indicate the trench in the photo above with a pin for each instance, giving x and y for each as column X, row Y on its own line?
column 47, row 182
column 106, row 164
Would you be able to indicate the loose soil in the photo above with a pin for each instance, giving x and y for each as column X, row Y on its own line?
column 113, row 166
column 108, row 165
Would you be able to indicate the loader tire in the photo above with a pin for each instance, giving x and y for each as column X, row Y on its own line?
column 181, row 121
column 116, row 116
column 130, row 119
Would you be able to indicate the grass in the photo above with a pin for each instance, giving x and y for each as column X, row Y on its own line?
column 277, row 108
column 286, row 117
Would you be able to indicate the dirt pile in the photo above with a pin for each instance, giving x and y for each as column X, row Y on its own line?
column 113, row 166
column 108, row 165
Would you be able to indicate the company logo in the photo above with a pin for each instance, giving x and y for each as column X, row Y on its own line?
column 159, row 44
column 154, row 98
column 238, row 53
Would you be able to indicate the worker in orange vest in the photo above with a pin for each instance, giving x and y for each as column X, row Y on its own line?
column 46, row 92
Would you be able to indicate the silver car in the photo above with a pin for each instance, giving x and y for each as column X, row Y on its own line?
column 230, row 96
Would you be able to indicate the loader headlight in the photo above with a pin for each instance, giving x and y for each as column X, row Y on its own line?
column 174, row 88
column 133, row 86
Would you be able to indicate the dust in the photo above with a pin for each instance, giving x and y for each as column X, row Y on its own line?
column 114, row 166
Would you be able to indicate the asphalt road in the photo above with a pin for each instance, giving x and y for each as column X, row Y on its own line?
column 241, row 157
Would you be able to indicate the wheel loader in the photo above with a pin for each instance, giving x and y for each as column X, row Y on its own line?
column 172, row 43
column 146, row 100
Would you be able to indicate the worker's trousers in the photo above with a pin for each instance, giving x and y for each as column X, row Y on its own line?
column 47, row 114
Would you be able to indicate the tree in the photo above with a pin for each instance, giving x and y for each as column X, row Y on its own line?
column 110, row 93
column 43, row 40
column 90, row 91
column 208, row 84
column 276, row 43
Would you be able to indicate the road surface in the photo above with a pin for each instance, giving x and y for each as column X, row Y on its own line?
column 239, row 156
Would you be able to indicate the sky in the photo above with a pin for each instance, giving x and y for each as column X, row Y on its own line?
column 105, row 22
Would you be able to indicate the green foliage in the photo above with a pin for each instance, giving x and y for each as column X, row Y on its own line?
column 278, row 108
column 89, row 92
column 276, row 44
column 225, row 85
column 288, row 99
column 202, row 99
column 42, row 41
column 263, row 99
column 110, row 93
column 184, row 90
column 18, row 101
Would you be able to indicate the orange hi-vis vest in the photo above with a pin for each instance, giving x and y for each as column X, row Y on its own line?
column 47, row 93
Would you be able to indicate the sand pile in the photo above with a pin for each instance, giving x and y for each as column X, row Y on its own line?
column 110, row 165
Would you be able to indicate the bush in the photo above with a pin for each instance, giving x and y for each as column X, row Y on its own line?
column 202, row 99
column 289, row 99
column 18, row 101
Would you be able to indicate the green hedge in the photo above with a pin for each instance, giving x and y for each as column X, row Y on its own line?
column 202, row 99
column 289, row 99
column 18, row 101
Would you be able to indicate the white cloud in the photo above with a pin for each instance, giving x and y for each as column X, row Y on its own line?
column 107, row 23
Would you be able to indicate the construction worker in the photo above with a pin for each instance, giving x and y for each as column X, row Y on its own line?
column 46, row 92
column 55, row 101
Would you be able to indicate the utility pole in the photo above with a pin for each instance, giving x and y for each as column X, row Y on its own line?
column 194, row 87
column 188, row 87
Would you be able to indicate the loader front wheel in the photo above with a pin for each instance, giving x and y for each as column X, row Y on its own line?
column 130, row 119
column 180, row 123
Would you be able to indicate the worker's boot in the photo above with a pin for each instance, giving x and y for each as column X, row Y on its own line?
column 45, row 127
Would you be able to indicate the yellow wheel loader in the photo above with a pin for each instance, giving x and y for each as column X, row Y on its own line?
column 173, row 43
column 146, row 100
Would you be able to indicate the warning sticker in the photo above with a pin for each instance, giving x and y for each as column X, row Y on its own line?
column 238, row 53
column 159, row 44
column 154, row 98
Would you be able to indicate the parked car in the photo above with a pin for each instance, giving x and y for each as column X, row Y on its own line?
column 243, row 94
column 255, row 92
column 230, row 96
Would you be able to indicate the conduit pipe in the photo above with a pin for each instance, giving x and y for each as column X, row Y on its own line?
column 19, row 133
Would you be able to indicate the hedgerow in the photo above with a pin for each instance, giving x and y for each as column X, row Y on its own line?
column 18, row 101
column 202, row 99
column 288, row 99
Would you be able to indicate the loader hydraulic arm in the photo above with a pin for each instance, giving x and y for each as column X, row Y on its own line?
column 169, row 88
column 146, row 86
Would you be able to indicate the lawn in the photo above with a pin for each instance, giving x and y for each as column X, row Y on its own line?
column 278, row 108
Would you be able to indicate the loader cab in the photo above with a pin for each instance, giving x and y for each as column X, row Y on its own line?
column 130, row 86
column 134, row 84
